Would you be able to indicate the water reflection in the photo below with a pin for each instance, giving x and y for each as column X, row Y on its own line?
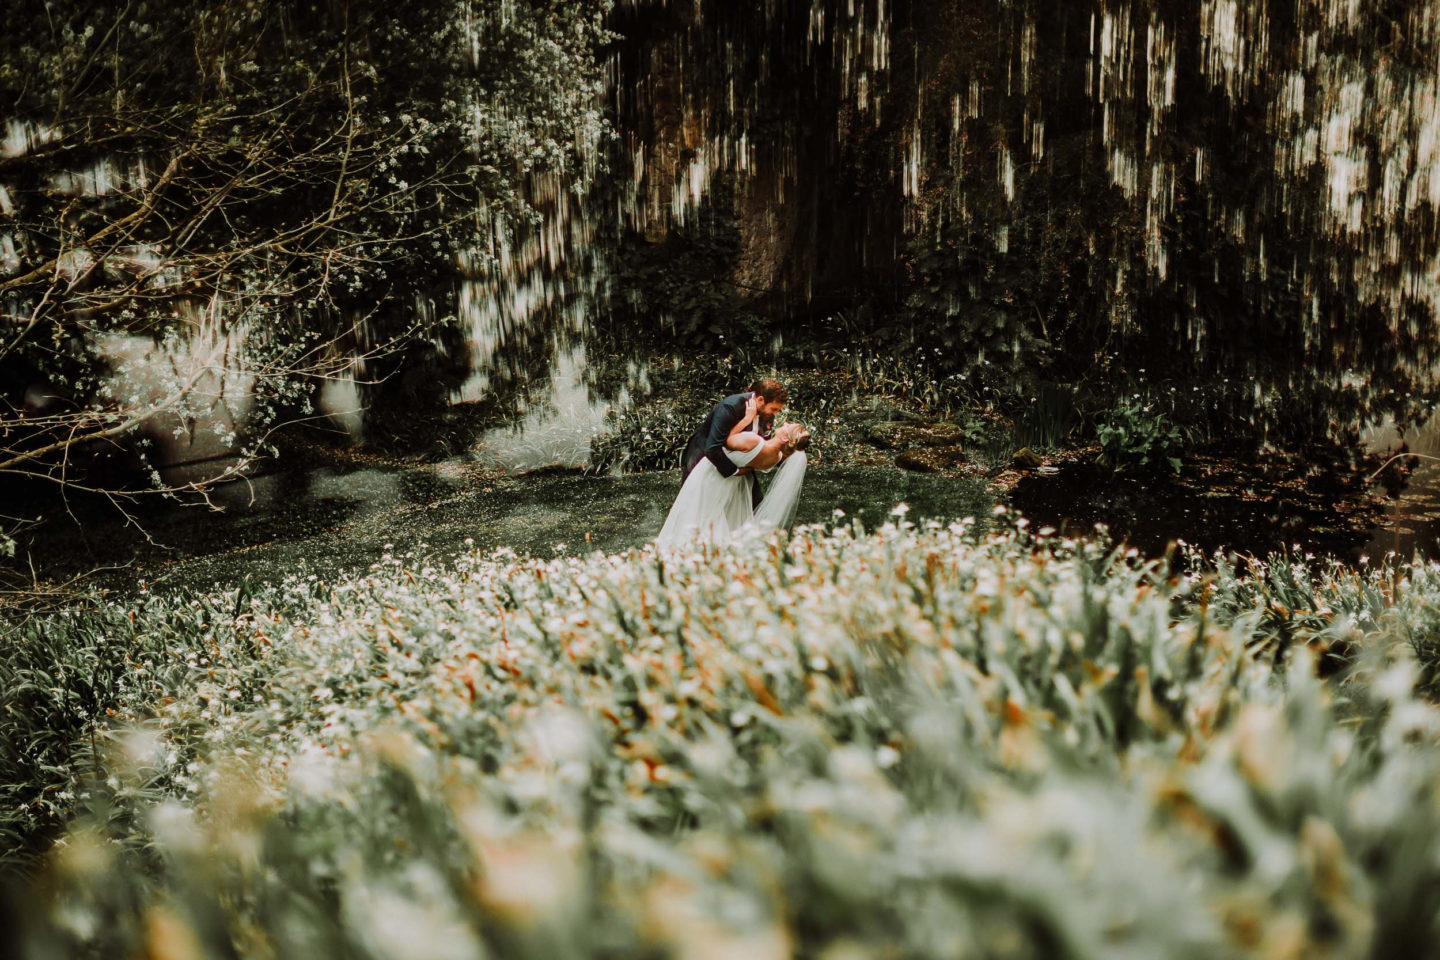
column 208, row 365
column 340, row 403
column 1411, row 520
column 557, row 431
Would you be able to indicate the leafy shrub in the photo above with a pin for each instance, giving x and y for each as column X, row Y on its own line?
column 648, row 437
column 1135, row 434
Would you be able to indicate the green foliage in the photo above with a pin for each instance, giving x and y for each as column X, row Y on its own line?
column 679, row 288
column 1136, row 434
column 65, row 680
column 916, row 378
column 648, row 437
column 1047, row 418
column 840, row 401
column 978, row 326
column 848, row 740
column 1000, row 195
column 307, row 191
column 648, row 430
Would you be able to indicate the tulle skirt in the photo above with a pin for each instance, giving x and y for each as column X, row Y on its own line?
column 783, row 496
column 715, row 509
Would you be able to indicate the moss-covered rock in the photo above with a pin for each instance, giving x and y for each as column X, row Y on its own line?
column 1026, row 459
column 930, row 459
column 894, row 435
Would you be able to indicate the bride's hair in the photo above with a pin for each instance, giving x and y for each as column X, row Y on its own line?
column 770, row 390
column 802, row 443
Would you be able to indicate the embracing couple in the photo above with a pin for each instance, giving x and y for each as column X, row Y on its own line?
column 720, row 493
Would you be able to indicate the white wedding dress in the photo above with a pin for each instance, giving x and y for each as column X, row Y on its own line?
column 715, row 509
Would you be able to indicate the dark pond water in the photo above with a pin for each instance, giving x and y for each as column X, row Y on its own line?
column 1257, row 506
column 1214, row 505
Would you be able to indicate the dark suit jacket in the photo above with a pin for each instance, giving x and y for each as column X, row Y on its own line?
column 708, row 441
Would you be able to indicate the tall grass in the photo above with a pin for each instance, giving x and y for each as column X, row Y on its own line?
column 69, row 679
column 1050, row 418
column 911, row 742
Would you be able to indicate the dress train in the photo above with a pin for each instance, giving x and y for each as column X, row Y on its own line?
column 716, row 509
column 778, row 508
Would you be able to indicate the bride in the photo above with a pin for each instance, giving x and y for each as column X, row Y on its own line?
column 712, row 508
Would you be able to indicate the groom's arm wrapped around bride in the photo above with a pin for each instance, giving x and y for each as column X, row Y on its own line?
column 708, row 440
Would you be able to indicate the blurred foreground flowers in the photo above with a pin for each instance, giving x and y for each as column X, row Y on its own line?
column 904, row 743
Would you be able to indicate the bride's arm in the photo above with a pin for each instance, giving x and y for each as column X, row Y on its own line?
column 737, row 438
column 777, row 448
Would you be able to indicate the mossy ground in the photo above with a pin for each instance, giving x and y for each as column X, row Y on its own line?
column 331, row 508
column 327, row 521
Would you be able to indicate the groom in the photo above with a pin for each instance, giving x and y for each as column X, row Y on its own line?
column 708, row 440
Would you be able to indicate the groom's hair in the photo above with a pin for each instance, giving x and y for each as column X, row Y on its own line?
column 770, row 390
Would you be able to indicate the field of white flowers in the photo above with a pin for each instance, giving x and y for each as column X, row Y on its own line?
column 909, row 742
